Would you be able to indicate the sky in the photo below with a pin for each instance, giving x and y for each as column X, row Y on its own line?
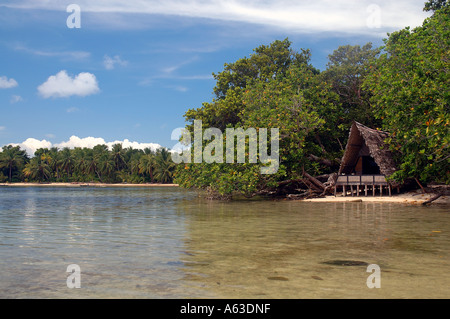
column 86, row 72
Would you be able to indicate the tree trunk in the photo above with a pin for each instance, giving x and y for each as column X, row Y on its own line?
column 323, row 161
column 315, row 181
column 432, row 199
column 99, row 177
column 423, row 189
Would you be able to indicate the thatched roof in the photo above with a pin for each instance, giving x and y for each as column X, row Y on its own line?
column 372, row 140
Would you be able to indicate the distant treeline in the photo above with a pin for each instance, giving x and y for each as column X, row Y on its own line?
column 98, row 164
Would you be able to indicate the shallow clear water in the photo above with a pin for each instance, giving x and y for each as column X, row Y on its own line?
column 168, row 243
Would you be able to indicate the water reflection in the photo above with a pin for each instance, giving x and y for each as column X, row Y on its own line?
column 277, row 250
column 168, row 243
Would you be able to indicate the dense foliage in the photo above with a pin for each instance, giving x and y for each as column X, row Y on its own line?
column 410, row 86
column 402, row 88
column 97, row 164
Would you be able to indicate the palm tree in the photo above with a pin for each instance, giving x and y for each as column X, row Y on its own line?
column 92, row 161
column 55, row 161
column 148, row 150
column 91, row 167
column 12, row 158
column 164, row 166
column 147, row 165
column 80, row 155
column 37, row 169
column 106, row 165
column 67, row 161
column 133, row 165
column 118, row 154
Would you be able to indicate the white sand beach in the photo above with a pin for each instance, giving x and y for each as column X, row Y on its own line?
column 414, row 197
column 85, row 185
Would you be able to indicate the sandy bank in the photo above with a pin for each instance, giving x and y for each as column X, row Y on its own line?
column 85, row 185
column 415, row 197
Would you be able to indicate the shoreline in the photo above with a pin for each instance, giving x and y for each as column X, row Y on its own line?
column 414, row 197
column 77, row 184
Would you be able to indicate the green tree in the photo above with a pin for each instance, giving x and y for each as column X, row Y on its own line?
column 55, row 162
column 266, row 63
column 164, row 166
column 346, row 70
column 284, row 92
column 67, row 161
column 118, row 155
column 433, row 5
column 410, row 92
column 12, row 158
column 37, row 169
column 147, row 165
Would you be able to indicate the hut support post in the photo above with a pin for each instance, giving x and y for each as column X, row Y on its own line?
column 390, row 191
column 381, row 190
column 344, row 191
column 365, row 190
column 373, row 190
column 351, row 189
column 357, row 190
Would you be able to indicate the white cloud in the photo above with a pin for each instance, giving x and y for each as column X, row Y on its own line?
column 179, row 88
column 72, row 109
column 64, row 55
column 15, row 99
column 171, row 69
column 6, row 83
column 136, row 145
column 63, row 85
column 2, row 128
column 75, row 141
column 30, row 145
column 90, row 142
column 110, row 63
column 297, row 16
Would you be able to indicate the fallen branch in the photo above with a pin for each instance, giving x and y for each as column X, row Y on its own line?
column 290, row 181
column 432, row 199
column 323, row 161
column 315, row 181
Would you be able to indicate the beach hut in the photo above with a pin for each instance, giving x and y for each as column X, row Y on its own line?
column 366, row 163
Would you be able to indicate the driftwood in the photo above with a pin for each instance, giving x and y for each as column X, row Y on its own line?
column 317, row 186
column 432, row 199
column 314, row 181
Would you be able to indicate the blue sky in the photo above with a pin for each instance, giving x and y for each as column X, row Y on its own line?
column 133, row 68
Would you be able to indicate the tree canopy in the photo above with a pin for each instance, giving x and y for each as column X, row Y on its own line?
column 402, row 88
column 410, row 88
column 97, row 164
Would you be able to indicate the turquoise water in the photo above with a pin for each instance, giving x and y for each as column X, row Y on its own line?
column 169, row 243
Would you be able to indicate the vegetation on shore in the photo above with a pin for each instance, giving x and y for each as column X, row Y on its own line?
column 98, row 164
column 401, row 88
